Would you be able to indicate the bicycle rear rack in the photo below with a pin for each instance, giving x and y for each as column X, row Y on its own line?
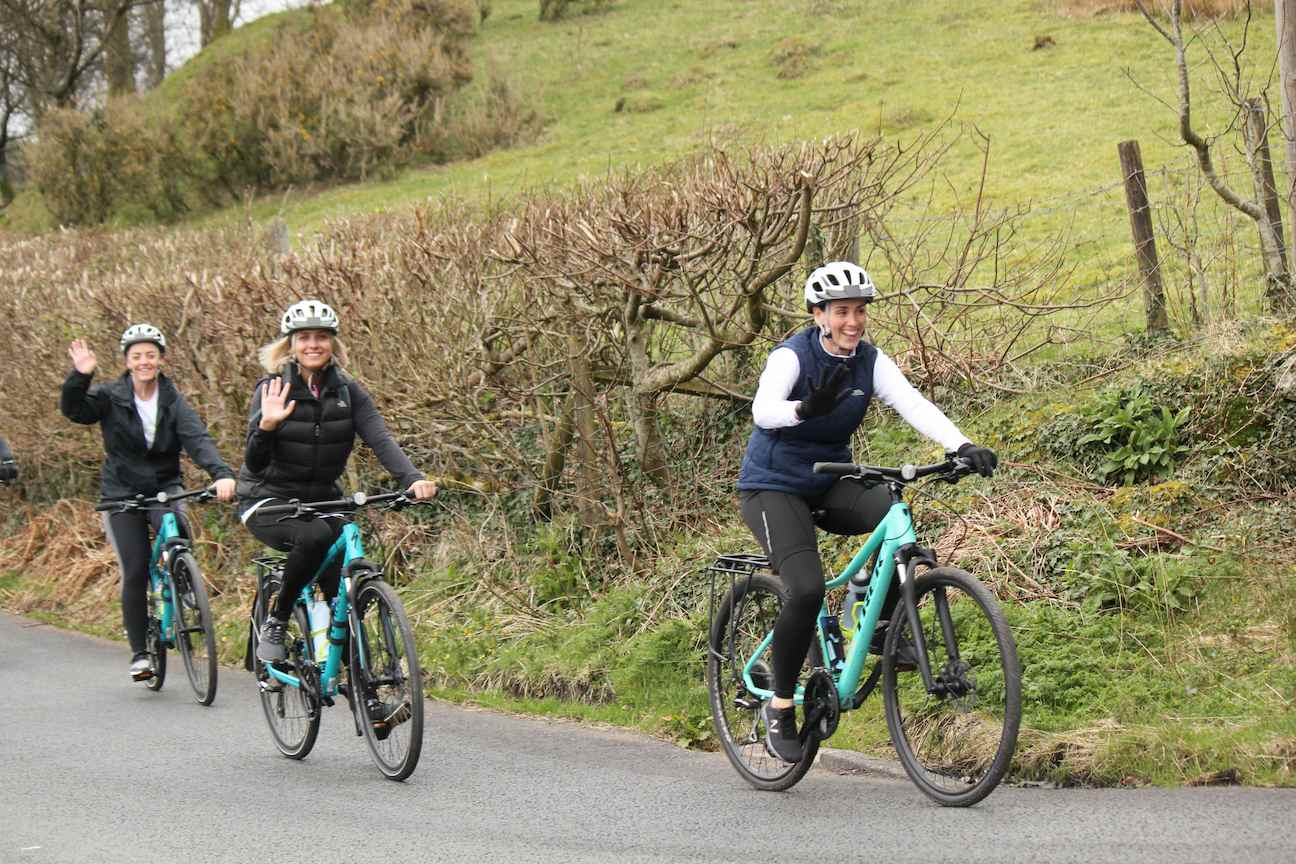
column 736, row 566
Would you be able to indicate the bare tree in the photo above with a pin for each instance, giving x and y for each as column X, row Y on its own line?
column 154, row 54
column 53, row 48
column 1285, row 23
column 215, row 18
column 1279, row 283
column 118, row 54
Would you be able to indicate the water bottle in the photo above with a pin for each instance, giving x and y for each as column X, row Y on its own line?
column 320, row 618
column 855, row 594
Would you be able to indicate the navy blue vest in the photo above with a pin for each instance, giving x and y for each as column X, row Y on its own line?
column 782, row 459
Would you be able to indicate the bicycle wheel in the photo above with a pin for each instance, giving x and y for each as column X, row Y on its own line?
column 195, row 637
column 155, row 645
column 386, row 681
column 955, row 744
column 293, row 713
column 744, row 618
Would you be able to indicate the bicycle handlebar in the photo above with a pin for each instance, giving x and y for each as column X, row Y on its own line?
column 142, row 502
column 395, row 500
column 953, row 468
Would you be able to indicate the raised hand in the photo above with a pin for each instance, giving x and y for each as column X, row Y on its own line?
column 273, row 409
column 824, row 398
column 83, row 359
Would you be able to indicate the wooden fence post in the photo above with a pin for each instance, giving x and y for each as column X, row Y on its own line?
column 1136, row 198
column 1271, row 233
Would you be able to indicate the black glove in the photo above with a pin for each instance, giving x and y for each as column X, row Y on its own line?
column 824, row 397
column 8, row 471
column 983, row 459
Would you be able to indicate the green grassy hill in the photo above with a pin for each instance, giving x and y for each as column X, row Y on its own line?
column 646, row 82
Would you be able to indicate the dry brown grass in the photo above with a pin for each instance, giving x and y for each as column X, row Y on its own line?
column 1191, row 8
column 65, row 544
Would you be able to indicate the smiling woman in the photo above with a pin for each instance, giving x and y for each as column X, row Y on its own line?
column 145, row 424
column 302, row 427
column 812, row 396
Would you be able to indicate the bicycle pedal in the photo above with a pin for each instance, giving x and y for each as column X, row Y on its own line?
column 144, row 675
column 270, row 685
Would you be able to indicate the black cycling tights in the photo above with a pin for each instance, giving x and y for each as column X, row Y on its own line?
column 306, row 541
column 783, row 524
column 129, row 535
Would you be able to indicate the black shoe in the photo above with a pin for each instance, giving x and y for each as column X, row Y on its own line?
column 385, row 716
column 781, row 738
column 270, row 647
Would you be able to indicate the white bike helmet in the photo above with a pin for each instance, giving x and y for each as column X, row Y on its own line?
column 142, row 333
column 309, row 315
column 839, row 280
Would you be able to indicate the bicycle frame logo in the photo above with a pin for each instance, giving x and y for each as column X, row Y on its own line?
column 892, row 534
column 351, row 548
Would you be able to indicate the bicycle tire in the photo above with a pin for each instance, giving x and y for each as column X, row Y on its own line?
column 292, row 713
column 194, row 634
column 956, row 746
column 734, row 712
column 155, row 645
column 386, row 679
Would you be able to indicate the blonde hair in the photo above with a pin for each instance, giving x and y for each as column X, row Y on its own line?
column 278, row 353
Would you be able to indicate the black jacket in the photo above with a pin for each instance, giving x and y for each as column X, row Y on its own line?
column 131, row 467
column 8, row 467
column 304, row 457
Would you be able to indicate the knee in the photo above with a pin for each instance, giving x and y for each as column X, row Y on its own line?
column 802, row 576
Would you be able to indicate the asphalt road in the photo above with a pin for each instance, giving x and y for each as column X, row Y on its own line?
column 96, row 769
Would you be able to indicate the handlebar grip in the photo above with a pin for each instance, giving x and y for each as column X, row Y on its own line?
column 110, row 505
column 838, row 469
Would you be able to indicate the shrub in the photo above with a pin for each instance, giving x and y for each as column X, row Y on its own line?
column 88, row 165
column 341, row 100
column 553, row 10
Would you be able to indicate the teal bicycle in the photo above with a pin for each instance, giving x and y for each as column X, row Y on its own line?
column 368, row 634
column 948, row 665
column 179, row 614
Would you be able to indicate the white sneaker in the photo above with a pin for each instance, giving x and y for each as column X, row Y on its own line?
column 141, row 669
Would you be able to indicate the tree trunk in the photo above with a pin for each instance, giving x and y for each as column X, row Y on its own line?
column 1285, row 20
column 119, row 59
column 589, row 482
column 214, row 17
column 555, row 460
column 643, row 403
column 1270, row 221
column 155, row 56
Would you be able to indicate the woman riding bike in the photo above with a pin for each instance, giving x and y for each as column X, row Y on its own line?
column 302, row 427
column 8, row 466
column 812, row 396
column 145, row 423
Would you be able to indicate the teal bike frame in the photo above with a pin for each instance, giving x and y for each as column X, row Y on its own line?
column 167, row 540
column 168, row 535
column 892, row 533
column 351, row 548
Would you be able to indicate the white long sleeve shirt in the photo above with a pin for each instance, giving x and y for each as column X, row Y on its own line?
column 771, row 409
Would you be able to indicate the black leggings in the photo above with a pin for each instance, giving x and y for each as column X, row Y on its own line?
column 129, row 535
column 785, row 526
column 306, row 541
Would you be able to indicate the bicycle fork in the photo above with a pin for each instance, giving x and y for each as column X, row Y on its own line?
column 906, row 557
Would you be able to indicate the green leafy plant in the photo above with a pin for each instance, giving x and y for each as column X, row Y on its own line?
column 1138, row 439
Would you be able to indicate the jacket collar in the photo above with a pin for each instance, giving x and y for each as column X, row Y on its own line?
column 333, row 379
column 121, row 390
